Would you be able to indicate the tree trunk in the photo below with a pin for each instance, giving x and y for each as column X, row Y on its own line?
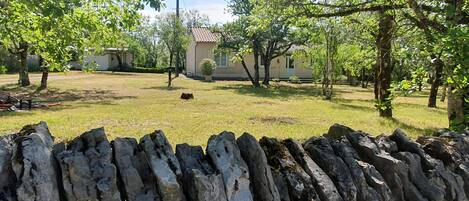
column 266, row 71
column 176, row 72
column 23, row 71
column 438, row 65
column 328, row 71
column 170, row 60
column 247, row 72
column 383, row 82
column 119, row 60
column 443, row 93
column 458, row 109
column 256, row 65
column 45, row 74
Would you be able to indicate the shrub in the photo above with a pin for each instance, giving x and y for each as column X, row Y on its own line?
column 147, row 70
column 207, row 66
column 90, row 67
column 3, row 69
column 294, row 80
column 276, row 80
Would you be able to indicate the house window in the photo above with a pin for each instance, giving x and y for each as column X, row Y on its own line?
column 221, row 58
column 290, row 62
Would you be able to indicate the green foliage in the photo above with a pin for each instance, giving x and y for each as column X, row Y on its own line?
column 90, row 67
column 294, row 80
column 3, row 69
column 56, row 29
column 419, row 76
column 172, row 34
column 207, row 66
column 159, row 70
column 404, row 88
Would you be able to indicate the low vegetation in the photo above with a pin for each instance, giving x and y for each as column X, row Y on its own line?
column 129, row 104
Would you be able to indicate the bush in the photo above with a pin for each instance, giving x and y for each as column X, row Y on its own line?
column 90, row 67
column 3, row 69
column 294, row 80
column 147, row 70
column 275, row 80
column 207, row 66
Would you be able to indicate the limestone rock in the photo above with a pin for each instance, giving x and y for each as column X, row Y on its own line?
column 137, row 180
column 386, row 144
column 451, row 183
column 87, row 170
column 395, row 172
column 405, row 144
column 200, row 180
column 299, row 184
column 262, row 182
column 322, row 153
column 418, row 178
column 7, row 176
column 336, row 131
column 439, row 148
column 344, row 150
column 463, row 171
column 322, row 183
column 375, row 180
column 225, row 154
column 34, row 164
column 282, row 185
column 164, row 166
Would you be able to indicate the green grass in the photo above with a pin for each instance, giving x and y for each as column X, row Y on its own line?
column 132, row 105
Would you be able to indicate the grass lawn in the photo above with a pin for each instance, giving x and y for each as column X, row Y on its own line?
column 136, row 104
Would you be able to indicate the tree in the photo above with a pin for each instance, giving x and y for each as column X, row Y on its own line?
column 53, row 27
column 444, row 25
column 172, row 34
column 260, row 31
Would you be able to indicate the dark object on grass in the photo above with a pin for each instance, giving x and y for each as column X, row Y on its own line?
column 187, row 96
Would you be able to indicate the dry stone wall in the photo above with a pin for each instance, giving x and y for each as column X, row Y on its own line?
column 342, row 165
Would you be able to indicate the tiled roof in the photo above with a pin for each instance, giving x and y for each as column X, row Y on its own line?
column 204, row 35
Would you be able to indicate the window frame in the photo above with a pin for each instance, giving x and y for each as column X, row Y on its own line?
column 218, row 56
column 287, row 62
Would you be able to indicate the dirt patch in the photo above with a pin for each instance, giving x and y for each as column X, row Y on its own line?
column 264, row 103
column 275, row 120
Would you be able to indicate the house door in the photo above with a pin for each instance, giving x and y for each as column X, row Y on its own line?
column 290, row 66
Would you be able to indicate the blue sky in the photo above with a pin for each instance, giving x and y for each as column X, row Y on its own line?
column 214, row 9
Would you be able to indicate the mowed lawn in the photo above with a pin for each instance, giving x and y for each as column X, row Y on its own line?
column 132, row 105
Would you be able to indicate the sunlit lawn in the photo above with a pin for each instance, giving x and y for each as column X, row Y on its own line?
column 136, row 104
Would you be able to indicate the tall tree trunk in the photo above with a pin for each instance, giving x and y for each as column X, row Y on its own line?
column 45, row 74
column 327, row 78
column 438, row 65
column 266, row 71
column 247, row 71
column 256, row 63
column 443, row 93
column 384, row 43
column 458, row 109
column 23, row 71
column 119, row 61
column 177, row 64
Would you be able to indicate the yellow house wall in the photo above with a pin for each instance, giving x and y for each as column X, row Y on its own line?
column 198, row 51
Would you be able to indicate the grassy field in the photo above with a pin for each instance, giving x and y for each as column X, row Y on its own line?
column 136, row 104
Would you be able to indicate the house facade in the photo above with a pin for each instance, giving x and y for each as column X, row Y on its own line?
column 204, row 45
column 109, row 59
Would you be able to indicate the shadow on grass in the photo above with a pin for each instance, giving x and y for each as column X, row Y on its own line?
column 274, row 91
column 57, row 95
column 414, row 129
column 82, row 98
column 164, row 88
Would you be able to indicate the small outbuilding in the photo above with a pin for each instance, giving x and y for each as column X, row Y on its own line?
column 110, row 59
